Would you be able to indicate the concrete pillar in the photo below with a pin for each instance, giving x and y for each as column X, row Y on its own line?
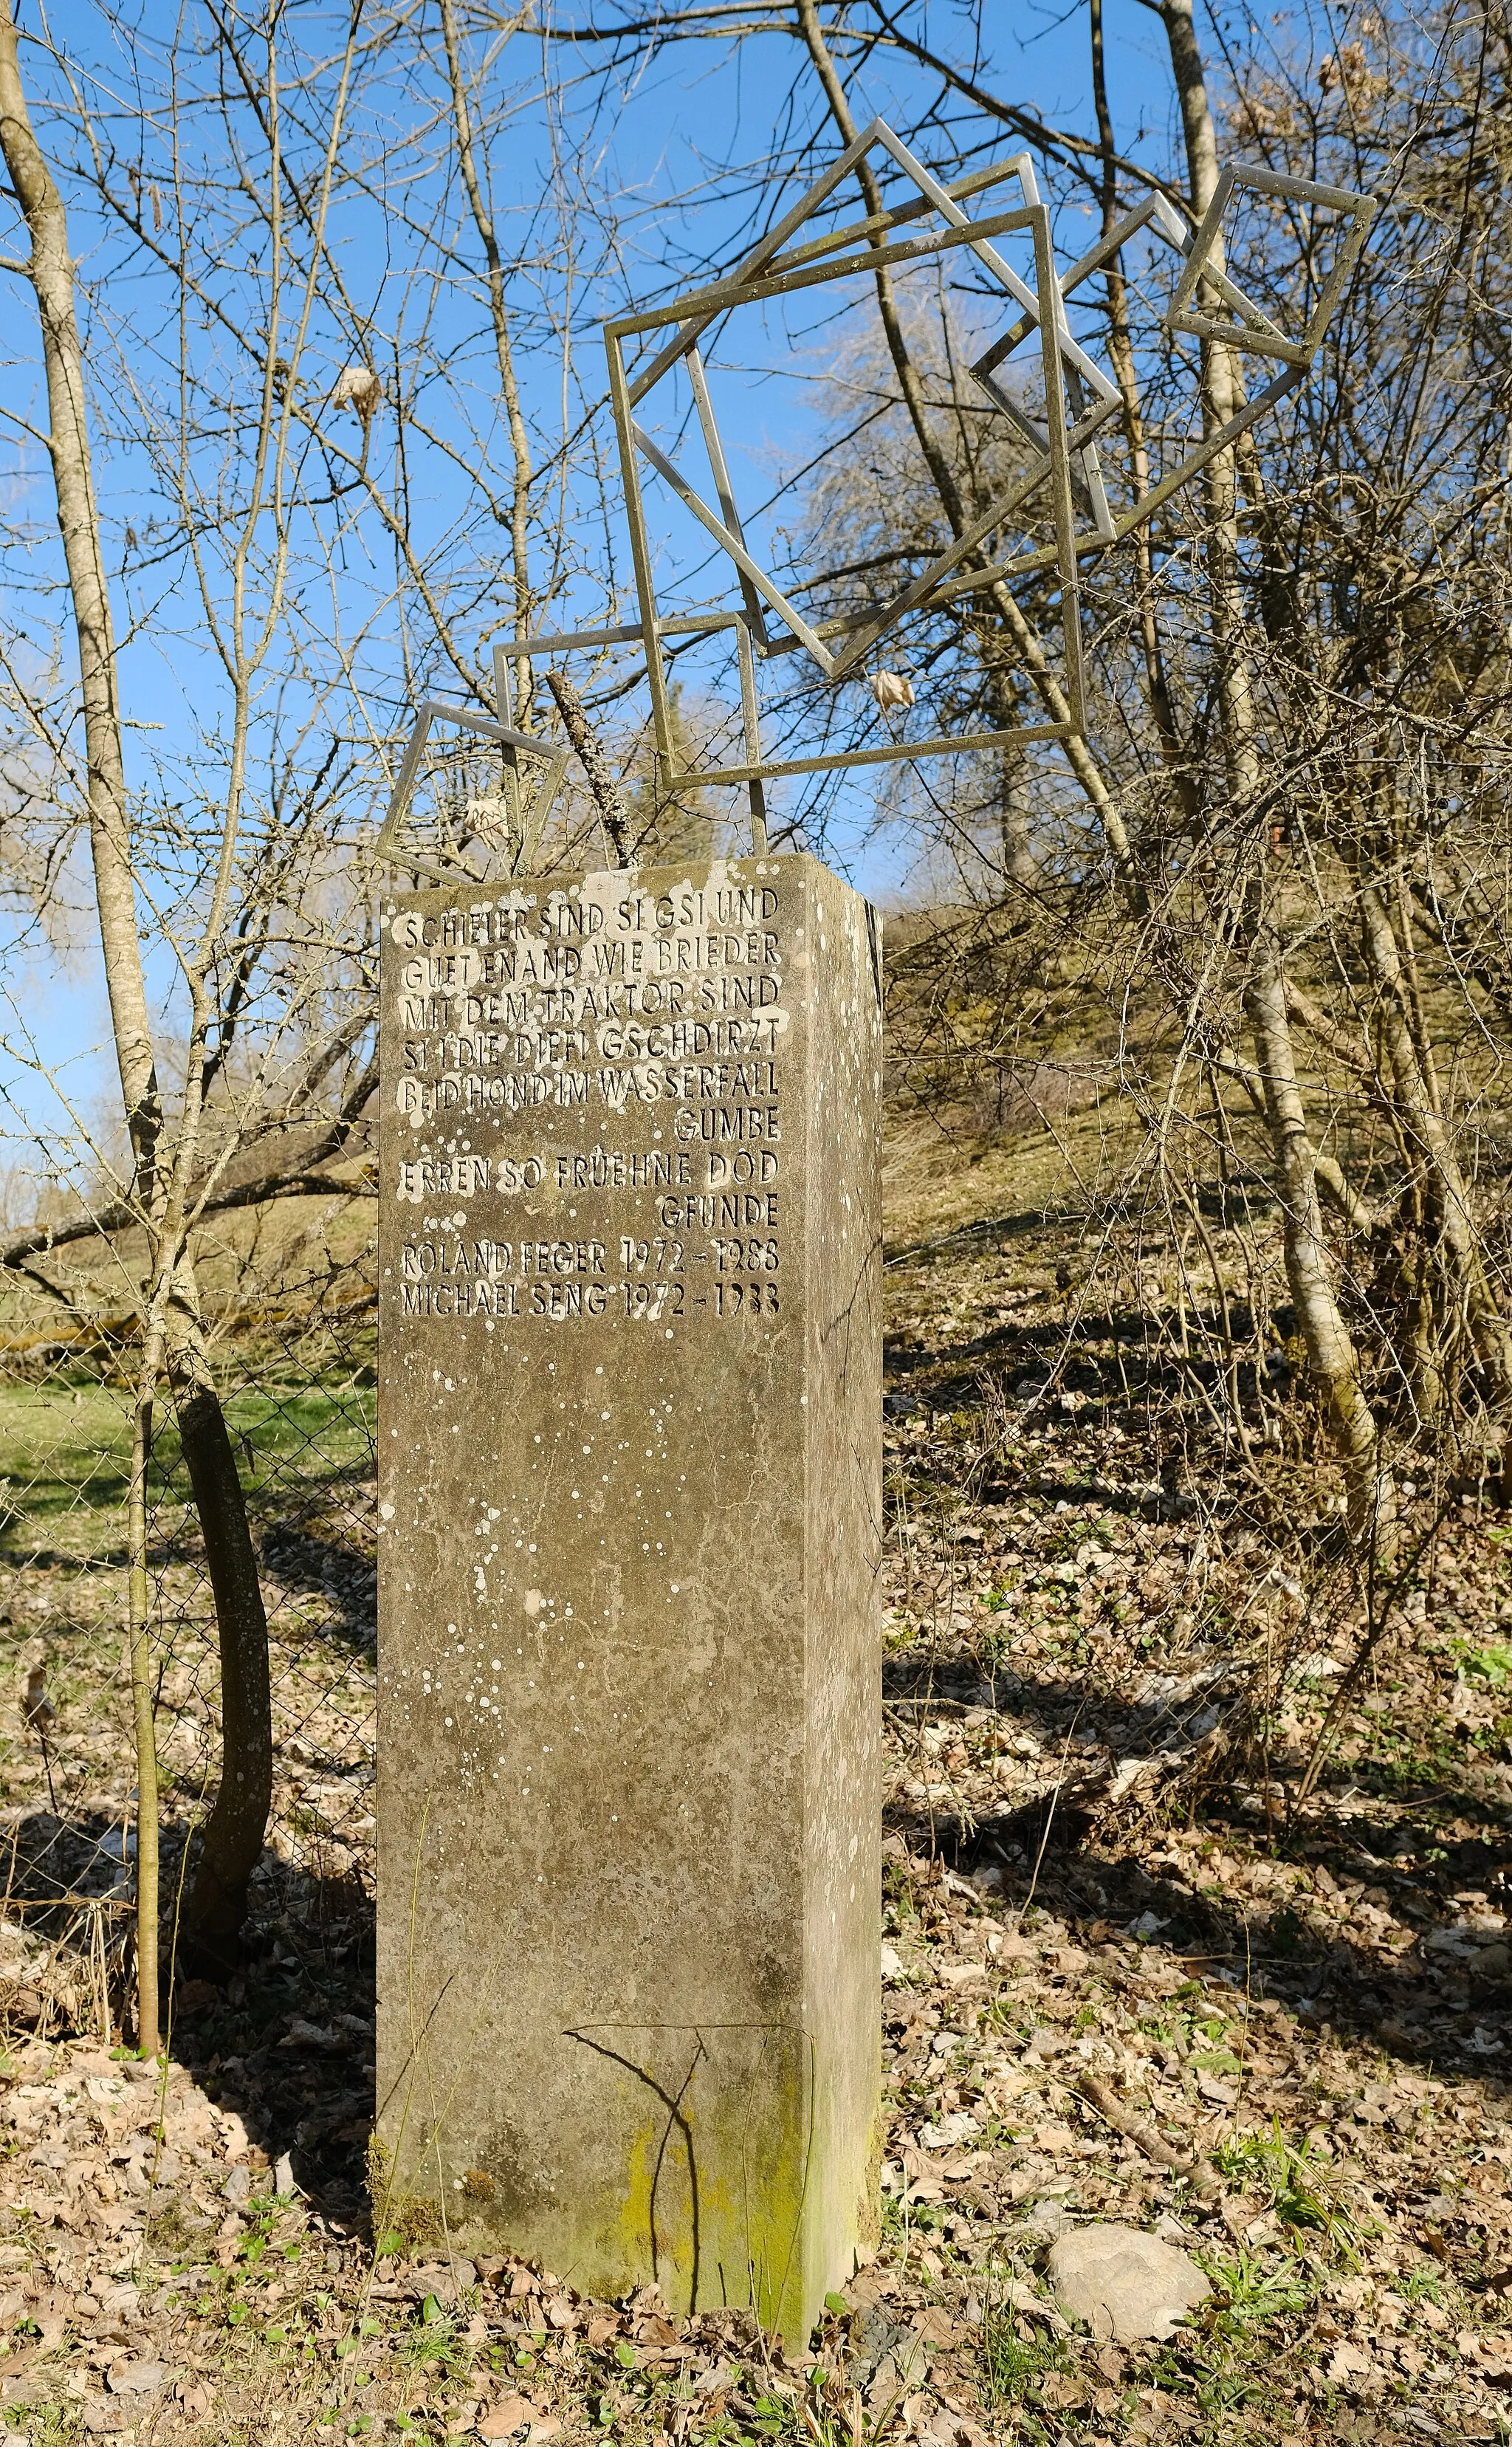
column 630, row 1492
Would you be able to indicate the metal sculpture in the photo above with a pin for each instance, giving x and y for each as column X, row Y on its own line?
column 1080, row 399
column 505, row 822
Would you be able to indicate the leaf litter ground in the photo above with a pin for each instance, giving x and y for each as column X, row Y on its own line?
column 1130, row 1974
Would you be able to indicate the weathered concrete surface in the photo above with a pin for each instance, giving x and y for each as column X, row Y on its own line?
column 630, row 1487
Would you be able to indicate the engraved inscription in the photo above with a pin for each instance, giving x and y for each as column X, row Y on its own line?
column 591, row 1086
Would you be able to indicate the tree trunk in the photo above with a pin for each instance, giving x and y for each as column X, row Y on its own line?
column 145, row 1729
column 237, row 1826
column 1331, row 1357
column 1027, row 649
column 1331, row 1353
column 518, row 438
column 595, row 764
column 1470, row 1312
column 50, row 272
column 234, row 1836
column 1016, row 809
column 1121, row 353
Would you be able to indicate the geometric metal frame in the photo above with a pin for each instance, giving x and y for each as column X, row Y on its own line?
column 636, row 444
column 1254, row 330
column 526, row 820
column 768, row 272
column 1063, row 452
column 1251, row 332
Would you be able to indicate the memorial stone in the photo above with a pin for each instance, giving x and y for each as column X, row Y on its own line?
column 629, row 1496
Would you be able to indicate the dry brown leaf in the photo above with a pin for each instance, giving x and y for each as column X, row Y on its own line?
column 1349, row 2366
column 936, row 2327
column 137, row 2379
column 511, row 2413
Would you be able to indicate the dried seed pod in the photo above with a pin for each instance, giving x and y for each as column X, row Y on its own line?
column 357, row 386
column 36, row 1706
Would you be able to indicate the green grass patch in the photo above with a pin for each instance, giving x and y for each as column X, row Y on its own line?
column 1299, row 2186
column 66, row 1454
column 1017, row 2357
column 1490, row 1661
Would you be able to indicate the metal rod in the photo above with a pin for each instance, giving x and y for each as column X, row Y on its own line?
column 1306, row 191
column 1240, row 335
column 909, row 751
column 1036, row 305
column 486, row 724
column 640, row 544
column 708, row 303
column 505, row 707
column 750, row 723
column 726, row 491
column 737, row 551
column 1348, row 255
column 1051, row 355
column 875, row 224
column 761, row 254
column 406, row 782
column 541, row 808
column 1206, row 231
column 679, row 624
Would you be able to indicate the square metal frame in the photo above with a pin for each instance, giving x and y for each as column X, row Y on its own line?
column 525, row 825
column 1064, row 452
column 1253, row 328
column 691, row 315
column 1256, row 333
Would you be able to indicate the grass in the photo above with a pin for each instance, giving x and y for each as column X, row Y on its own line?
column 1246, row 2294
column 66, row 1452
column 1016, row 2357
column 1224, row 2365
column 1489, row 1662
column 1299, row 2186
column 433, row 2340
column 936, row 1184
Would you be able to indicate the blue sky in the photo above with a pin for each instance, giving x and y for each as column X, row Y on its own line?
column 676, row 148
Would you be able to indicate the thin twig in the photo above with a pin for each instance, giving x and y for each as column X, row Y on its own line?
column 1056, row 1789
column 1145, row 2137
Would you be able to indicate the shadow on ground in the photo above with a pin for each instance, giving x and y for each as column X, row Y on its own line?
column 287, row 2042
column 1432, row 2006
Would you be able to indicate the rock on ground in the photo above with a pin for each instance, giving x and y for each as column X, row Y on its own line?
column 1123, row 2283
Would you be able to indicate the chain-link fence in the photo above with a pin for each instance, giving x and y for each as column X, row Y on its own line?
column 293, row 1349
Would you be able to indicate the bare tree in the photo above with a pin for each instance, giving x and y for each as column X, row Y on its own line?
column 267, row 445
column 1273, row 866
